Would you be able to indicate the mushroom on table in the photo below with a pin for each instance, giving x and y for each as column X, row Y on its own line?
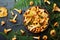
column 19, row 11
column 53, row 32
column 12, row 13
column 47, row 1
column 2, row 23
column 14, row 38
column 37, row 37
column 56, row 8
column 31, row 3
column 22, row 31
column 7, row 30
column 14, row 19
column 45, row 37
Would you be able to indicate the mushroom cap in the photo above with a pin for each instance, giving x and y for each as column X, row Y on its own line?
column 45, row 37
column 3, row 12
column 11, row 20
column 5, row 31
column 31, row 3
column 53, row 32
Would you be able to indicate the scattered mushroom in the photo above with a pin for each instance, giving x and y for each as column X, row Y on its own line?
column 14, row 38
column 2, row 23
column 7, row 30
column 19, row 11
column 56, row 8
column 12, row 13
column 38, row 37
column 44, row 37
column 14, row 19
column 3, row 12
column 53, row 32
column 22, row 31
column 56, row 24
column 31, row 3
column 47, row 1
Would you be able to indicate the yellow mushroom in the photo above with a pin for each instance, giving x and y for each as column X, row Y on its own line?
column 38, row 37
column 14, row 38
column 12, row 13
column 7, row 30
column 47, row 1
column 3, row 12
column 22, row 31
column 56, row 8
column 37, row 19
column 19, row 11
column 14, row 19
column 44, row 37
column 31, row 3
column 53, row 32
column 2, row 23
column 56, row 24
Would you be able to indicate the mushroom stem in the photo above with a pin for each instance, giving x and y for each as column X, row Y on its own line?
column 13, row 20
column 22, row 31
column 15, row 17
column 7, row 30
column 36, row 37
column 16, row 9
column 47, row 1
column 56, row 24
column 19, row 11
column 12, row 13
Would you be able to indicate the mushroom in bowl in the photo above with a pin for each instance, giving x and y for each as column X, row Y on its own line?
column 36, row 19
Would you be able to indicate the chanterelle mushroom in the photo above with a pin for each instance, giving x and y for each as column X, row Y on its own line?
column 12, row 13
column 36, row 19
column 53, row 32
column 2, row 23
column 45, row 37
column 14, row 38
column 14, row 19
column 22, row 31
column 56, row 8
column 47, row 1
column 56, row 24
column 3, row 12
column 31, row 3
column 38, row 37
column 7, row 30
column 19, row 11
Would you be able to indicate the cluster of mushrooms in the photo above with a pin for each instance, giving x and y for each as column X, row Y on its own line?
column 3, row 12
column 35, row 19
